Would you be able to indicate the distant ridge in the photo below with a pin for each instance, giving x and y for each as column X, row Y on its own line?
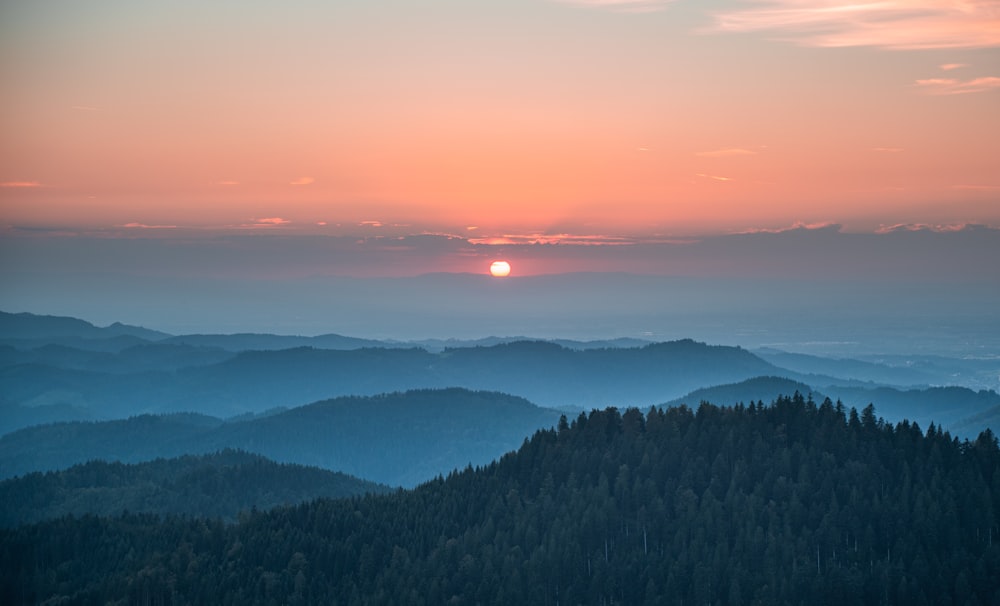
column 545, row 373
column 31, row 326
column 260, row 341
column 77, row 377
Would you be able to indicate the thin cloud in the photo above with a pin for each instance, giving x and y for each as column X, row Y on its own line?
column 20, row 184
column 952, row 86
column 713, row 177
column 622, row 6
column 950, row 66
column 303, row 181
column 271, row 221
column 371, row 223
column 725, row 153
column 906, row 227
column 977, row 187
column 896, row 24
column 565, row 239
column 798, row 225
column 135, row 225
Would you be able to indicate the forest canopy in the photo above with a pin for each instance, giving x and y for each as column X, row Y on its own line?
column 788, row 503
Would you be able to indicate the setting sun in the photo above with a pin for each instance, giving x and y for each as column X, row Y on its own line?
column 500, row 269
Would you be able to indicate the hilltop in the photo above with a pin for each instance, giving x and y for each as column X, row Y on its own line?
column 788, row 503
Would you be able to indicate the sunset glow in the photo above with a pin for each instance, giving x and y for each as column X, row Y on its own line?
column 646, row 118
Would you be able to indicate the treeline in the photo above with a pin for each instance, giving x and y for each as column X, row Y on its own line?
column 219, row 485
column 788, row 503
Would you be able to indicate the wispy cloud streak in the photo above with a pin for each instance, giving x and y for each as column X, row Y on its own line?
column 908, row 227
column 623, row 6
column 725, row 153
column 973, row 187
column 20, row 184
column 897, row 24
column 571, row 239
column 797, row 226
column 136, row 225
column 951, row 86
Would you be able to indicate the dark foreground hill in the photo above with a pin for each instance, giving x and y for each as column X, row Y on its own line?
column 791, row 503
column 399, row 439
column 218, row 485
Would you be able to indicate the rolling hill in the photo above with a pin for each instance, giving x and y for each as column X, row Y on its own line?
column 787, row 503
column 398, row 439
column 218, row 485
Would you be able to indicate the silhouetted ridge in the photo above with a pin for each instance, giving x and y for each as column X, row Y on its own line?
column 788, row 503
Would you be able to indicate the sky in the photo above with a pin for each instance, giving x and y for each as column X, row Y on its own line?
column 500, row 117
column 185, row 141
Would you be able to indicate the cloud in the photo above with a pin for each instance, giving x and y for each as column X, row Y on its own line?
column 977, row 187
column 797, row 226
column 272, row 221
column 896, row 24
column 906, row 227
column 713, row 177
column 623, row 6
column 20, row 184
column 303, row 181
column 539, row 238
column 135, row 225
column 950, row 66
column 725, row 153
column 951, row 86
column 371, row 223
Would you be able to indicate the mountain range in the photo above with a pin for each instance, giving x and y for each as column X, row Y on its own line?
column 71, row 392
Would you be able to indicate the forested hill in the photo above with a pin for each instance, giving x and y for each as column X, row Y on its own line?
column 400, row 439
column 791, row 503
column 217, row 485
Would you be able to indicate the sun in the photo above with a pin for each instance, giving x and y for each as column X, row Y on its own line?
column 500, row 269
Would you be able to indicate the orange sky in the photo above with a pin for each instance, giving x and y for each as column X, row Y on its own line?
column 514, row 116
